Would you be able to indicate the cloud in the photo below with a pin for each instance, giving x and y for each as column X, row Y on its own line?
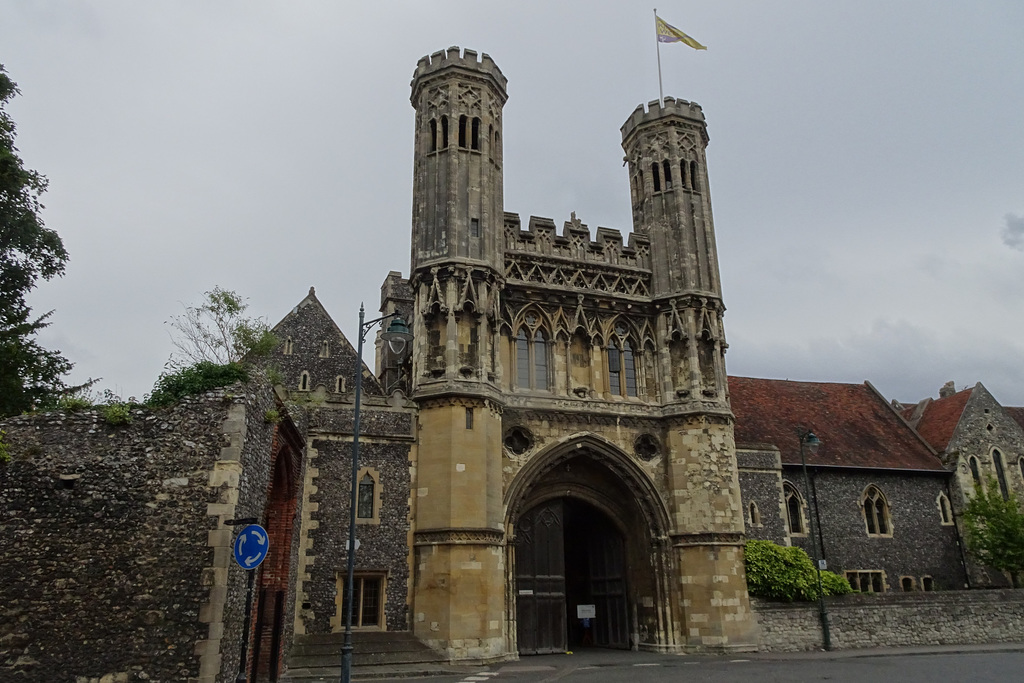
column 1013, row 233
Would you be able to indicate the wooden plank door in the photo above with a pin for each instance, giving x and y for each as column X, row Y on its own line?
column 540, row 580
column 608, row 589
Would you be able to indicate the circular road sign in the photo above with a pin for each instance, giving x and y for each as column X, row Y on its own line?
column 251, row 546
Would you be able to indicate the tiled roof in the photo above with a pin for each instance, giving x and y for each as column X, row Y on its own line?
column 855, row 424
column 1017, row 414
column 941, row 417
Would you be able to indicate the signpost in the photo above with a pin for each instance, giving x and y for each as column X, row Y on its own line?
column 251, row 547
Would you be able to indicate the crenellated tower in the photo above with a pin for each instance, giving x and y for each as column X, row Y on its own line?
column 671, row 200
column 456, row 279
column 665, row 149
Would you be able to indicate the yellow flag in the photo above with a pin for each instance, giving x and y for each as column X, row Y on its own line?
column 670, row 34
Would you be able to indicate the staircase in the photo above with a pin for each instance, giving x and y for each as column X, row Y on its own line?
column 317, row 657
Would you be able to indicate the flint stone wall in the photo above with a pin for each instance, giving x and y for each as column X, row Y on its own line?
column 894, row 620
column 108, row 538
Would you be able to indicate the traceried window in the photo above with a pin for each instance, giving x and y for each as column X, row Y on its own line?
column 532, row 354
column 876, row 512
column 997, row 460
column 794, row 510
column 621, row 364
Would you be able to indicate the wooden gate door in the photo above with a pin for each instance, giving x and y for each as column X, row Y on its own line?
column 608, row 589
column 540, row 580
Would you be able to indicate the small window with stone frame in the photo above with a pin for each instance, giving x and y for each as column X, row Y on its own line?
column 945, row 510
column 908, row 584
column 368, row 496
column 794, row 510
column 753, row 514
column 304, row 381
column 927, row 583
column 866, row 580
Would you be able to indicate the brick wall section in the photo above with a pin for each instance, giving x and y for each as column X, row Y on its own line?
column 893, row 620
column 114, row 558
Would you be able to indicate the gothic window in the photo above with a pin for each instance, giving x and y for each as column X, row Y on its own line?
column 876, row 512
column 531, row 355
column 682, row 174
column 368, row 496
column 462, row 132
column 668, row 175
column 475, row 134
column 753, row 514
column 490, row 138
column 433, row 135
column 621, row 364
column 794, row 510
column 694, row 185
column 304, row 381
column 657, row 176
column 974, row 470
column 469, row 418
column 289, row 346
column 945, row 511
column 1020, row 464
column 997, row 459
column 325, row 349
column 444, row 132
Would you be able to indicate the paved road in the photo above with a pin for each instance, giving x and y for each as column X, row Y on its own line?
column 924, row 665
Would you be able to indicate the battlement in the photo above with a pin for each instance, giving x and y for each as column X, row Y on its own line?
column 654, row 111
column 454, row 57
column 542, row 238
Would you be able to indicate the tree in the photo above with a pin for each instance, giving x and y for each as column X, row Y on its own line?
column 218, row 331
column 29, row 374
column 776, row 572
column 994, row 530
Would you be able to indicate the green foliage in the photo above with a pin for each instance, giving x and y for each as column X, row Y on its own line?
column 30, row 375
column 274, row 375
column 5, row 453
column 117, row 413
column 272, row 416
column 195, row 379
column 75, row 401
column 775, row 572
column 995, row 530
column 218, row 331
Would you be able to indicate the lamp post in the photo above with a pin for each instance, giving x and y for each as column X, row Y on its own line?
column 398, row 337
column 812, row 443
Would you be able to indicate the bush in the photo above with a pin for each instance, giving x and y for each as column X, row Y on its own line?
column 117, row 413
column 194, row 379
column 74, row 402
column 776, row 572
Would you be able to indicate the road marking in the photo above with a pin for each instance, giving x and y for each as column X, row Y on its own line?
column 648, row 664
column 734, row 661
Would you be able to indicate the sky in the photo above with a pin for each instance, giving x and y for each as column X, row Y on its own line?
column 866, row 164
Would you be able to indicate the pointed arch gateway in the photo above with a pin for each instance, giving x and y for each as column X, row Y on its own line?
column 587, row 527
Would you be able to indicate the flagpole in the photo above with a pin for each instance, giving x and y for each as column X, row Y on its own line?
column 661, row 92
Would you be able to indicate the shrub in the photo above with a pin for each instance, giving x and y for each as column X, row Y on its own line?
column 776, row 572
column 117, row 413
column 74, row 402
column 194, row 379
column 272, row 416
column 5, row 453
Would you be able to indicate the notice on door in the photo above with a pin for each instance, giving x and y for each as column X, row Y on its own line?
column 586, row 611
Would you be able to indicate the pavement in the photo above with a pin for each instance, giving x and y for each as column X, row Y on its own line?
column 599, row 657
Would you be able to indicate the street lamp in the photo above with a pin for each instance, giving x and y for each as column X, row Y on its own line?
column 809, row 440
column 397, row 337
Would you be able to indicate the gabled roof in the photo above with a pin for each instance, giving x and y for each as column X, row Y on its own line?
column 1017, row 414
column 857, row 427
column 940, row 418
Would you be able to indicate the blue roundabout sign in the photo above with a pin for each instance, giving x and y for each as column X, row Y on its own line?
column 251, row 546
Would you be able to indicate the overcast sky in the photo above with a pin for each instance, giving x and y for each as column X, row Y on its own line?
column 866, row 164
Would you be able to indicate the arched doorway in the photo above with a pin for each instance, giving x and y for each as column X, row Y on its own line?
column 587, row 564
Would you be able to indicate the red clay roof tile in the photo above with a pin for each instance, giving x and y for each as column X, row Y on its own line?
column 941, row 417
column 1017, row 414
column 856, row 426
